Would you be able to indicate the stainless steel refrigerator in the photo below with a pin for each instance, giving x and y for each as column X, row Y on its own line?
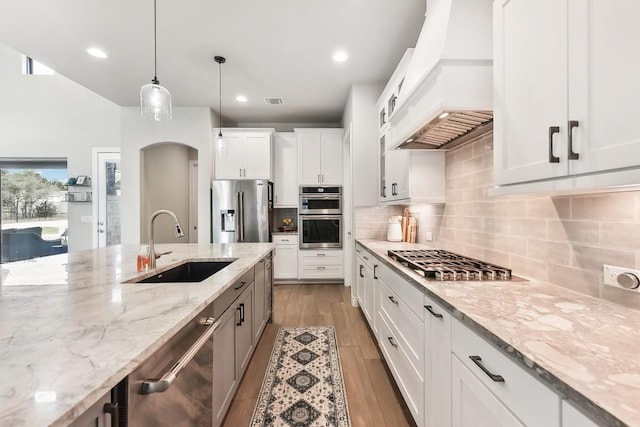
column 241, row 210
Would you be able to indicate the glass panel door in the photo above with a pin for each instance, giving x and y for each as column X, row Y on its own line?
column 108, row 189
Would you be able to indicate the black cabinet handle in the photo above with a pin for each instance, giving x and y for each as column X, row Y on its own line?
column 241, row 313
column 240, row 320
column 392, row 341
column 375, row 267
column 572, row 154
column 239, row 286
column 112, row 409
column 361, row 267
column 430, row 310
column 478, row 361
column 384, row 191
column 553, row 130
column 393, row 300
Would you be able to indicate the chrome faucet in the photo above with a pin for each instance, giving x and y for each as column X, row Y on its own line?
column 179, row 233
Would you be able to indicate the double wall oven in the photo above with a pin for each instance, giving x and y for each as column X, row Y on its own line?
column 320, row 219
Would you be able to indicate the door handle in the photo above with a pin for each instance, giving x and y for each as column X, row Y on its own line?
column 553, row 130
column 240, row 216
column 430, row 310
column 163, row 384
column 361, row 267
column 375, row 267
column 572, row 124
column 112, row 409
column 495, row 377
column 240, row 320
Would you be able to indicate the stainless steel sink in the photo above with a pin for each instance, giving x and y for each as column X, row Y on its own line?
column 192, row 271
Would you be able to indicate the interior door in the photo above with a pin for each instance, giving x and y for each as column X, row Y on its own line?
column 108, row 198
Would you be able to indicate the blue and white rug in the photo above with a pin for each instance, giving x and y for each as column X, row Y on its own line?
column 303, row 386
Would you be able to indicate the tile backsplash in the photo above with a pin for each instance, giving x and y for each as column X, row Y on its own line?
column 371, row 222
column 561, row 240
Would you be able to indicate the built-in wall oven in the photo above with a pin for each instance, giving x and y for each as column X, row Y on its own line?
column 320, row 220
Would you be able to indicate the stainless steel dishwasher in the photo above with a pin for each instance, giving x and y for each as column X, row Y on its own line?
column 174, row 386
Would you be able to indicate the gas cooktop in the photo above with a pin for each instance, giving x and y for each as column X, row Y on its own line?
column 444, row 265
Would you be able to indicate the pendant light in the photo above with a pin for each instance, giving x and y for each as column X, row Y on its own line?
column 219, row 145
column 155, row 100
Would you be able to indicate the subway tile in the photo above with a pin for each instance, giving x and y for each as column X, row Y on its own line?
column 583, row 232
column 575, row 279
column 474, row 223
column 556, row 252
column 604, row 207
column 563, row 206
column 621, row 235
column 463, row 237
column 591, row 258
column 620, row 296
column 535, row 228
column 497, row 225
column 542, row 208
column 497, row 257
column 529, row 268
column 511, row 207
column 482, row 147
column 484, row 209
column 483, row 240
column 512, row 245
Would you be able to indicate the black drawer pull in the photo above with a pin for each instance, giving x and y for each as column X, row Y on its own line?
column 478, row 361
column 572, row 154
column 392, row 341
column 239, row 320
column 361, row 267
column 553, row 130
column 393, row 300
column 237, row 288
column 430, row 309
column 375, row 267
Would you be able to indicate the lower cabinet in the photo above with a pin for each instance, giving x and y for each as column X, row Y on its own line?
column 259, row 296
column 437, row 364
column 101, row 414
column 244, row 330
column 488, row 386
column 572, row 417
column 320, row 264
column 285, row 260
column 365, row 285
column 224, row 356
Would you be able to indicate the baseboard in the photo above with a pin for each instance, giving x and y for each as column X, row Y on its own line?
column 354, row 302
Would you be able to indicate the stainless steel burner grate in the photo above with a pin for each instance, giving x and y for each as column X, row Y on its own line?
column 444, row 265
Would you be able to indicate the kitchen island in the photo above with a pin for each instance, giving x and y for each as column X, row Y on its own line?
column 584, row 349
column 70, row 329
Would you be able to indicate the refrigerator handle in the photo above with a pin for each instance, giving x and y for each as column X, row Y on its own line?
column 240, row 216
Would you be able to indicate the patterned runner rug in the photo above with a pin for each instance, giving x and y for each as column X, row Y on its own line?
column 303, row 386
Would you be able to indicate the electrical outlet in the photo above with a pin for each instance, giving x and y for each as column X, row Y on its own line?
column 429, row 236
column 612, row 272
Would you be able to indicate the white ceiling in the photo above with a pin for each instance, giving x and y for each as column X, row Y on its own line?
column 273, row 48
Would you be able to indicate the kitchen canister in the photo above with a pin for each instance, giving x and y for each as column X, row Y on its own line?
column 394, row 229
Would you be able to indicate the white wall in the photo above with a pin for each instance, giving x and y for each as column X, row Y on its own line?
column 190, row 126
column 52, row 116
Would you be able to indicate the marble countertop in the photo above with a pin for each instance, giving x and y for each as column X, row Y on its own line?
column 584, row 348
column 70, row 329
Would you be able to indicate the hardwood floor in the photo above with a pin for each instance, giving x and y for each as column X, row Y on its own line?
column 372, row 398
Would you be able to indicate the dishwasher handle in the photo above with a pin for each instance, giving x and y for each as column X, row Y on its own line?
column 163, row 384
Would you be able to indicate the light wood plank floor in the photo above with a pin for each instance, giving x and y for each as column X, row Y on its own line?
column 372, row 399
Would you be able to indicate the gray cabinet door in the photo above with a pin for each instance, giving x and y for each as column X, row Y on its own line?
column 224, row 356
column 244, row 330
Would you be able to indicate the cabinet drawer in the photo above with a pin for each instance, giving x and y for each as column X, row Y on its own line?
column 410, row 382
column 320, row 257
column 408, row 293
column 321, row 272
column 523, row 394
column 364, row 255
column 410, row 327
column 285, row 239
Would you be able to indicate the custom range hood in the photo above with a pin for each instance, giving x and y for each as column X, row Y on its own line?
column 447, row 93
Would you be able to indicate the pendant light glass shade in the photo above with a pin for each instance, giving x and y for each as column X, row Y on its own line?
column 155, row 102
column 219, row 146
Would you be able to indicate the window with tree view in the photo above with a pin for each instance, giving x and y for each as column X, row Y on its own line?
column 34, row 211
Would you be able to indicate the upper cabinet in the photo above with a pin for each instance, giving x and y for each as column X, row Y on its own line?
column 247, row 155
column 285, row 183
column 566, row 97
column 320, row 156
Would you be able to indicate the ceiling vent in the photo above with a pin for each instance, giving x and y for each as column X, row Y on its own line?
column 274, row 100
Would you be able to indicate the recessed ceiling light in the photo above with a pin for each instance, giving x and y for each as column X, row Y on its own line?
column 443, row 115
column 96, row 52
column 340, row 56
column 241, row 98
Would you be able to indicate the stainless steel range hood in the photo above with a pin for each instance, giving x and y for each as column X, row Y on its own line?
column 449, row 81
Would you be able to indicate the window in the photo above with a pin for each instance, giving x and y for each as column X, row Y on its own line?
column 32, row 67
column 33, row 210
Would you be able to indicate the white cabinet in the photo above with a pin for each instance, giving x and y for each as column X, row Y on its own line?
column 572, row 417
column 285, row 182
column 485, row 382
column 320, row 264
column 566, row 97
column 414, row 176
column 319, row 156
column 285, row 260
column 365, row 282
column 247, row 155
column 437, row 364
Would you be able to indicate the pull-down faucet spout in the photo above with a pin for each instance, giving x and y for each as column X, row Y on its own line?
column 179, row 233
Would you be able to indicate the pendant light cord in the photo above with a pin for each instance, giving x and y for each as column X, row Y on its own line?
column 155, row 43
column 220, row 97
